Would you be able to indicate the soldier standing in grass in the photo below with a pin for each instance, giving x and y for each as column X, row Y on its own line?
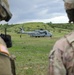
column 5, row 63
column 61, row 58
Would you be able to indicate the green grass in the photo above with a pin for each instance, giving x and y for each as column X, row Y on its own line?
column 32, row 53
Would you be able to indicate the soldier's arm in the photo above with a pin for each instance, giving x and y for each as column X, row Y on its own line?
column 56, row 66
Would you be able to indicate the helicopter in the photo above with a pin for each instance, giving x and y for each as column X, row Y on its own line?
column 37, row 33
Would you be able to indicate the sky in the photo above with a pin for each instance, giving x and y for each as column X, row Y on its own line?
column 37, row 11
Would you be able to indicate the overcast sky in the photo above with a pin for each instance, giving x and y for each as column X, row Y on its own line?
column 38, row 11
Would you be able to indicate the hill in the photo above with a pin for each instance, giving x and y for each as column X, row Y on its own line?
column 37, row 25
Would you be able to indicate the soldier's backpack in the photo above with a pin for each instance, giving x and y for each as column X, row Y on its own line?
column 5, row 13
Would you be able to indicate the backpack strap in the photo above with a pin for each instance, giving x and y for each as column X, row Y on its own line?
column 12, row 60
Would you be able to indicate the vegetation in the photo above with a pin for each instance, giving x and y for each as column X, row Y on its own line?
column 32, row 53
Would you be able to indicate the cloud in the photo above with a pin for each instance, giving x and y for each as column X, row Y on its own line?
column 37, row 10
column 58, row 19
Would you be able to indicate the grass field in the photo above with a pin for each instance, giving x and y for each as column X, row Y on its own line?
column 32, row 53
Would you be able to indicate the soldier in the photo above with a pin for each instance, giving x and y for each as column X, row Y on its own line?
column 5, row 63
column 61, row 58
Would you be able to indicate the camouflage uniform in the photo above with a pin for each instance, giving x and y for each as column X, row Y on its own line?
column 5, row 63
column 61, row 58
